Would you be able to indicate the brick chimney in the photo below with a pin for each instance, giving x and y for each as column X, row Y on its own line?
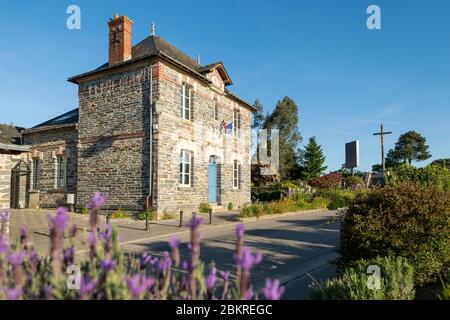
column 119, row 39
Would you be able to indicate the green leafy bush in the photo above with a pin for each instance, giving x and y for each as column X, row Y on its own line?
column 444, row 293
column 204, row 207
column 168, row 215
column 119, row 214
column 432, row 175
column 84, row 211
column 406, row 220
column 230, row 206
column 328, row 181
column 396, row 282
column 353, row 182
column 297, row 203
column 143, row 215
column 338, row 198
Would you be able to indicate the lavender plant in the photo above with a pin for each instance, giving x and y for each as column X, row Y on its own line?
column 105, row 274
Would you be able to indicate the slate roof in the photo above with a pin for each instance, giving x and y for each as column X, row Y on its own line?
column 10, row 134
column 70, row 117
column 156, row 46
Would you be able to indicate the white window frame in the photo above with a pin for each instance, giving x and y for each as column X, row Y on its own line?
column 236, row 174
column 185, row 178
column 237, row 122
column 61, row 169
column 186, row 101
column 36, row 174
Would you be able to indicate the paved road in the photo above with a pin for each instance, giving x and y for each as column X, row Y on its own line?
column 292, row 246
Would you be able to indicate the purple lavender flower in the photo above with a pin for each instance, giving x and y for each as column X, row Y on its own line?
column 69, row 255
column 248, row 260
column 211, row 279
column 32, row 255
column 174, row 242
column 240, row 230
column 16, row 259
column 225, row 275
column 59, row 221
column 195, row 222
column 73, row 231
column 146, row 258
column 87, row 286
column 138, row 284
column 23, row 231
column 108, row 232
column 165, row 263
column 250, row 293
column 97, row 201
column 14, row 293
column 48, row 291
column 273, row 291
column 108, row 265
column 92, row 239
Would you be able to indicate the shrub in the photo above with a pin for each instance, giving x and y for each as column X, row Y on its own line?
column 297, row 203
column 168, row 215
column 230, row 206
column 444, row 293
column 337, row 198
column 104, row 275
column 120, row 214
column 204, row 207
column 432, row 175
column 406, row 220
column 353, row 182
column 328, row 181
column 143, row 215
column 84, row 211
column 396, row 282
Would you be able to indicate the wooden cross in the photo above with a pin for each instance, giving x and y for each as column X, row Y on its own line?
column 381, row 134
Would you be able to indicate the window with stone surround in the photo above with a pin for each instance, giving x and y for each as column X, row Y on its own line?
column 36, row 173
column 61, row 172
column 185, row 167
column 237, row 122
column 186, row 97
column 236, row 174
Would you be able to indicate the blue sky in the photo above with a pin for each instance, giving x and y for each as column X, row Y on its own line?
column 345, row 78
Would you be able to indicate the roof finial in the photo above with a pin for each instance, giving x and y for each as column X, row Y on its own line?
column 198, row 58
column 153, row 27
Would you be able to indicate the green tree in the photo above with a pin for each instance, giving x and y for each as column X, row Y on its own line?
column 285, row 119
column 312, row 161
column 411, row 146
column 442, row 162
column 258, row 116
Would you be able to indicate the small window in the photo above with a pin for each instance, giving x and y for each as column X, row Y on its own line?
column 185, row 167
column 237, row 121
column 186, row 102
column 216, row 111
column 61, row 171
column 36, row 173
column 236, row 174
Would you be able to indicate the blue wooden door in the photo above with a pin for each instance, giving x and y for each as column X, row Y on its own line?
column 212, row 183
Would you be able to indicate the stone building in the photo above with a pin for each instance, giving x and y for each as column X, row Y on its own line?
column 154, row 128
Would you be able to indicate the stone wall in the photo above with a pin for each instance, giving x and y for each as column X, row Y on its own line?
column 203, row 137
column 47, row 145
column 5, row 181
column 113, row 139
column 113, row 155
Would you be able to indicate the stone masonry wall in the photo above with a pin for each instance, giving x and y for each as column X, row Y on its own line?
column 113, row 139
column 5, row 180
column 46, row 146
column 203, row 137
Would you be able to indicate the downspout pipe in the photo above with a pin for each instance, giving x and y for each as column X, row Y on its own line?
column 150, row 173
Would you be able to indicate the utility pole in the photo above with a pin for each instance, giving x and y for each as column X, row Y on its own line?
column 382, row 133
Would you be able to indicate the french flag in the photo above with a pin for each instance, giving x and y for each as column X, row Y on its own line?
column 228, row 126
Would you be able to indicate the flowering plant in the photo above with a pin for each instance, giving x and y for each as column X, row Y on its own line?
column 104, row 273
